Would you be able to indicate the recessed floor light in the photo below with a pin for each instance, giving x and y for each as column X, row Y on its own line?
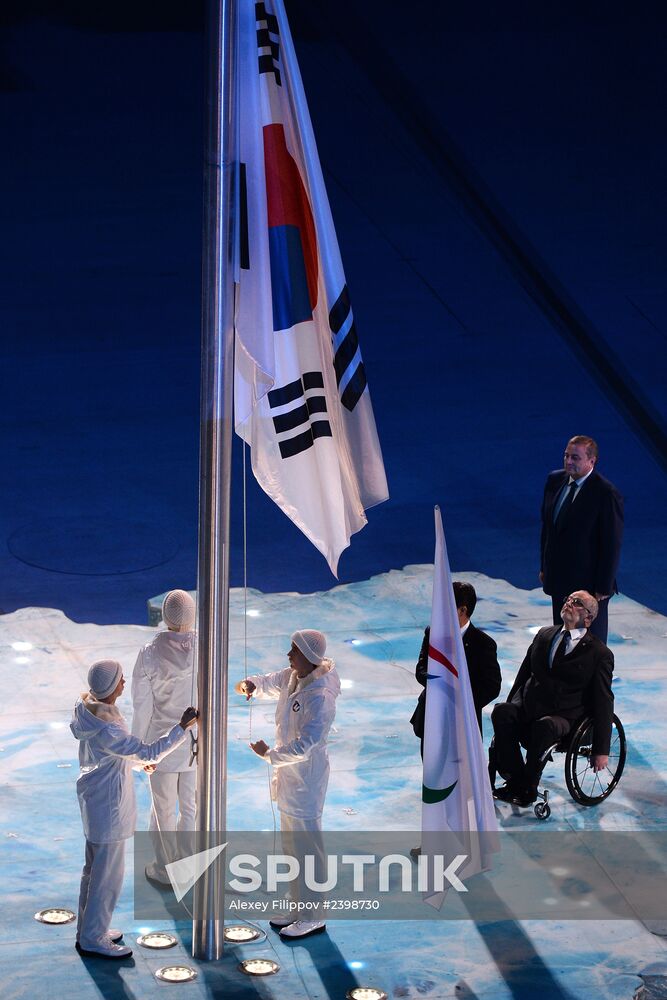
column 176, row 974
column 157, row 939
column 55, row 915
column 365, row 993
column 241, row 933
column 259, row 967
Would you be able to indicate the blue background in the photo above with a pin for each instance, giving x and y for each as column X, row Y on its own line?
column 496, row 176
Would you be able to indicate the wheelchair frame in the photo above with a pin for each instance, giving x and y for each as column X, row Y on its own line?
column 586, row 787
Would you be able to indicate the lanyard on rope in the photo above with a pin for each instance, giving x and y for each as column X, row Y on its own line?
column 194, row 749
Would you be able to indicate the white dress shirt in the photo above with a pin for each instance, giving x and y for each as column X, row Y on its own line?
column 575, row 635
column 564, row 491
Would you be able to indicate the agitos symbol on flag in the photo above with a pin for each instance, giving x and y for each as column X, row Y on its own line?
column 301, row 396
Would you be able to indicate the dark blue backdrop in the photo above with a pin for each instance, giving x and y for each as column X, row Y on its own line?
column 497, row 180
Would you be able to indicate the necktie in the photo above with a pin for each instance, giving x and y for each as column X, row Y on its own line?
column 559, row 653
column 567, row 503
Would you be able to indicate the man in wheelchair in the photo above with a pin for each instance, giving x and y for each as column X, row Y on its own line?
column 566, row 674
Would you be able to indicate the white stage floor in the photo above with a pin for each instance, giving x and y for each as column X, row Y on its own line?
column 374, row 630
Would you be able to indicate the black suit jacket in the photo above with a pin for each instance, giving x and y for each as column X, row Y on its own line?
column 579, row 684
column 483, row 668
column 581, row 552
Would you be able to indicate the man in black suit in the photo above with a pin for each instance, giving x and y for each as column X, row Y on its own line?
column 480, row 650
column 566, row 674
column 582, row 529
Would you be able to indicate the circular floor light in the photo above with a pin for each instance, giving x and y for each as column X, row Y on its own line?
column 157, row 939
column 176, row 974
column 241, row 934
column 55, row 915
column 259, row 967
column 365, row 993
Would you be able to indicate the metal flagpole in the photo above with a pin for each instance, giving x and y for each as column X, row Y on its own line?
column 217, row 377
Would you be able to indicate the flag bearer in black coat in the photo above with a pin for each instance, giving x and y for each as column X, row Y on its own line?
column 480, row 650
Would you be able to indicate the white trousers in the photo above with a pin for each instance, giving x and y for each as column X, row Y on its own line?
column 298, row 846
column 299, row 824
column 170, row 789
column 101, row 882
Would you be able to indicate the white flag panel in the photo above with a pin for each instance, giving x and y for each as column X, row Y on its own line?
column 456, row 792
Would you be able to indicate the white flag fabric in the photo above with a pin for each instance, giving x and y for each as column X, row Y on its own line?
column 301, row 397
column 456, row 792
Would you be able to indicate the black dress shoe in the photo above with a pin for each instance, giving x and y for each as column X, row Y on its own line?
column 523, row 799
column 505, row 793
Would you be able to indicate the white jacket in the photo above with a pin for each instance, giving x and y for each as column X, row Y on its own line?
column 162, row 688
column 306, row 708
column 107, row 752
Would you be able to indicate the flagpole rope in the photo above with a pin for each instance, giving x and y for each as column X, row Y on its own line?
column 193, row 681
column 194, row 740
column 245, row 629
column 245, row 587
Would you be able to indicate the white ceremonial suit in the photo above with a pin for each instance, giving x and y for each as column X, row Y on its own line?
column 105, row 790
column 305, row 711
column 162, row 686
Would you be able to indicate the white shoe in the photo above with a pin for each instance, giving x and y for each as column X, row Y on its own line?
column 156, row 873
column 104, row 949
column 303, row 928
column 281, row 921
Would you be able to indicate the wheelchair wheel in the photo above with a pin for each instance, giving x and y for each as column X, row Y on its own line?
column 584, row 785
column 542, row 810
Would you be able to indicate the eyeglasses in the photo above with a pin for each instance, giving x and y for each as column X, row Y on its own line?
column 576, row 602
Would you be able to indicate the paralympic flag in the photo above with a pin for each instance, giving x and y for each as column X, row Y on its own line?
column 456, row 793
column 301, row 396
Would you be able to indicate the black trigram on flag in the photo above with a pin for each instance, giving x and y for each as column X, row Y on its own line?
column 244, row 238
column 267, row 38
column 350, row 372
column 299, row 416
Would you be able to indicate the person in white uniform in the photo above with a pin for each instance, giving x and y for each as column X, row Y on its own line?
column 306, row 692
column 162, row 680
column 105, row 790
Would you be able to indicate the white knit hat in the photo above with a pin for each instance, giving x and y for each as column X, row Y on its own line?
column 312, row 644
column 103, row 677
column 178, row 610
